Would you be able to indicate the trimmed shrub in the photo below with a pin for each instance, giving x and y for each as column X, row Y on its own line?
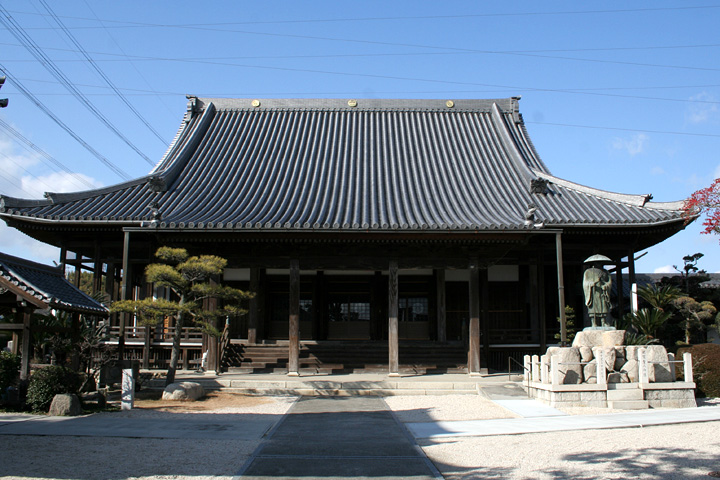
column 47, row 382
column 706, row 368
column 9, row 370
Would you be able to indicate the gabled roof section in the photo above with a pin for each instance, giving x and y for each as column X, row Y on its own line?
column 46, row 285
column 332, row 164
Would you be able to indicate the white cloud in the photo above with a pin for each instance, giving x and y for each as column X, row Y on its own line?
column 633, row 146
column 657, row 171
column 13, row 242
column 665, row 269
column 58, row 182
column 701, row 112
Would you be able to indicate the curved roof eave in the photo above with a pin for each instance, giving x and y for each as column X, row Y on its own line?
column 629, row 199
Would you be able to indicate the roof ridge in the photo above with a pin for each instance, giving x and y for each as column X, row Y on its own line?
column 362, row 104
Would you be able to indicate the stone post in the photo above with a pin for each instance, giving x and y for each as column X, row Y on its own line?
column 642, row 366
column 535, row 368
column 527, row 368
column 127, row 399
column 544, row 377
column 600, row 364
column 671, row 363
column 687, row 366
column 555, row 369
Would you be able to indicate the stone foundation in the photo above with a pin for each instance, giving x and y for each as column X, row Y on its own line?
column 658, row 395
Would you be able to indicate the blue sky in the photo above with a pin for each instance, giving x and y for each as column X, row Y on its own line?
column 623, row 96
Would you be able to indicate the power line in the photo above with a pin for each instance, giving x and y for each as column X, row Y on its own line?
column 49, row 160
column 596, row 127
column 100, row 72
column 62, row 125
column 127, row 24
column 124, row 54
column 15, row 181
column 45, row 61
column 452, row 49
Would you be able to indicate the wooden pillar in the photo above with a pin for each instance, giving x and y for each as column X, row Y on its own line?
column 15, row 343
column 319, row 306
column 26, row 354
column 97, row 271
column 474, row 327
column 63, row 260
column 213, row 342
column 110, row 281
column 632, row 280
column 620, row 288
column 441, row 316
column 124, row 293
column 75, row 335
column 78, row 270
column 393, row 346
column 485, row 314
column 294, row 320
column 561, row 289
column 254, row 310
column 541, row 302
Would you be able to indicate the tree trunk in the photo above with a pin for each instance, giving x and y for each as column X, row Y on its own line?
column 175, row 354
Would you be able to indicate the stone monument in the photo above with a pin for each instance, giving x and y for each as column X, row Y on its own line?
column 596, row 286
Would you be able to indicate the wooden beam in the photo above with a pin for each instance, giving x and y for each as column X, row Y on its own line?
column 440, row 299
column 294, row 320
column 474, row 326
column 11, row 326
column 393, row 346
column 22, row 294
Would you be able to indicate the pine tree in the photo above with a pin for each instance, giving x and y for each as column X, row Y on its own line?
column 189, row 279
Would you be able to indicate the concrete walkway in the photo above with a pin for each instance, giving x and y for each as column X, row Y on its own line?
column 339, row 437
column 536, row 423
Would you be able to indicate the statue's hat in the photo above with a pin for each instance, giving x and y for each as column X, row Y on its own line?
column 597, row 258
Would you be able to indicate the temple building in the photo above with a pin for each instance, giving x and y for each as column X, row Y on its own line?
column 413, row 228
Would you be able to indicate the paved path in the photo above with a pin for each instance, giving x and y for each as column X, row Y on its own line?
column 555, row 423
column 339, row 437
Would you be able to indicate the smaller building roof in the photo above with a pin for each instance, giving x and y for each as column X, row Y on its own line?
column 45, row 284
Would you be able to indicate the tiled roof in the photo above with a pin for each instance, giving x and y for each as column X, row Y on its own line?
column 325, row 165
column 48, row 285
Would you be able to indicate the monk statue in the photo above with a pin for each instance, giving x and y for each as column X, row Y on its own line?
column 596, row 285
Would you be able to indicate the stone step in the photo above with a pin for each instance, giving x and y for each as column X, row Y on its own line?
column 306, row 386
column 625, row 395
column 628, row 404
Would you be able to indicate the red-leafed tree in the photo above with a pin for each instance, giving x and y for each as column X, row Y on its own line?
column 705, row 202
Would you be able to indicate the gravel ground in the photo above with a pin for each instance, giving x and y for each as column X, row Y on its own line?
column 662, row 452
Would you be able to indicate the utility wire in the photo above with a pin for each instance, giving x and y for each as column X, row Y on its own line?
column 122, row 174
column 49, row 160
column 124, row 54
column 17, row 182
column 596, row 127
column 126, row 24
column 100, row 72
column 45, row 61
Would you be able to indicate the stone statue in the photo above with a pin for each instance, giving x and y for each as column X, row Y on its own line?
column 596, row 285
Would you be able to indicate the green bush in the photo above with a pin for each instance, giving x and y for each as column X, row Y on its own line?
column 9, row 369
column 706, row 368
column 47, row 382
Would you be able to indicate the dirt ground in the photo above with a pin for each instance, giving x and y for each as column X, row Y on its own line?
column 212, row 401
